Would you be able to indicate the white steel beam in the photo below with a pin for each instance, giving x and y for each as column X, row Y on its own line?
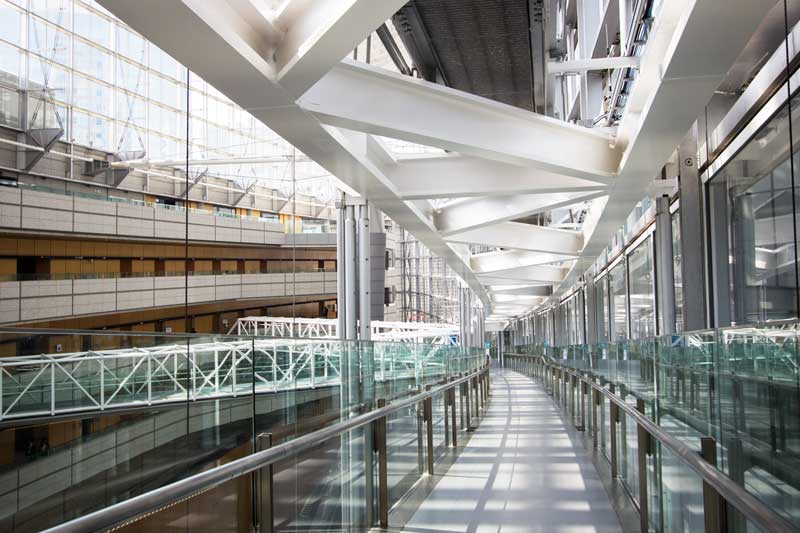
column 426, row 113
column 508, row 259
column 577, row 66
column 521, row 236
column 319, row 33
column 674, row 85
column 232, row 60
column 479, row 212
column 538, row 273
column 465, row 176
column 542, row 291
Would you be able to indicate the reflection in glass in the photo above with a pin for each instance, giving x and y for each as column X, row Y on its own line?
column 676, row 269
column 642, row 290
column 760, row 204
column 618, row 302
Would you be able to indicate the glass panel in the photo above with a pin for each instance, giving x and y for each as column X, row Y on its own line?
column 94, row 27
column 618, row 302
column 676, row 268
column 9, row 108
column 601, row 291
column 12, row 24
column 642, row 290
column 760, row 212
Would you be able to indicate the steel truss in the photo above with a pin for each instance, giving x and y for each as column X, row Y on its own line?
column 98, row 380
column 322, row 328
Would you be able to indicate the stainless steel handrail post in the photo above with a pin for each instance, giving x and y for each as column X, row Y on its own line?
column 427, row 410
column 383, row 470
column 642, row 439
column 613, row 410
column 714, row 512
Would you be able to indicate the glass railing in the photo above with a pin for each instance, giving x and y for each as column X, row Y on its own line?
column 92, row 419
column 739, row 386
column 315, row 228
column 162, row 274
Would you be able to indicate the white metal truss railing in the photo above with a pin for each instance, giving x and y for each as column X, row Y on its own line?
column 52, row 384
column 322, row 328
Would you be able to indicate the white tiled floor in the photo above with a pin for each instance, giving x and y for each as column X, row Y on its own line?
column 519, row 472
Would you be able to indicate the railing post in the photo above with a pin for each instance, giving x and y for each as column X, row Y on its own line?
column 714, row 507
column 583, row 389
column 383, row 472
column 642, row 441
column 452, row 393
column 428, row 415
column 596, row 401
column 446, row 411
column 477, row 397
column 420, row 420
column 571, row 389
column 263, row 505
column 613, row 411
column 468, row 405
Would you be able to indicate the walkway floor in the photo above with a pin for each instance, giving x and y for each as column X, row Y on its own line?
column 519, row 472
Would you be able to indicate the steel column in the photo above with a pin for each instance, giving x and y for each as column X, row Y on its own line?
column 364, row 274
column 691, row 224
column 665, row 276
column 351, row 298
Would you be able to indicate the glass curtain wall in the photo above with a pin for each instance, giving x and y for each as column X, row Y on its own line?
column 618, row 302
column 760, row 207
column 676, row 269
column 642, row 290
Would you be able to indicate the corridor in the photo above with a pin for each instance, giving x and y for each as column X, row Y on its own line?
column 519, row 472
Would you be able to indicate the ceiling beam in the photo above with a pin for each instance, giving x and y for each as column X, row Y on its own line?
column 319, row 33
column 229, row 62
column 479, row 212
column 535, row 273
column 465, row 176
column 414, row 110
column 519, row 236
column 576, row 66
column 674, row 85
column 508, row 259
column 541, row 290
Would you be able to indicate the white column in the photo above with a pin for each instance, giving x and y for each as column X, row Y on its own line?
column 351, row 298
column 341, row 262
column 364, row 299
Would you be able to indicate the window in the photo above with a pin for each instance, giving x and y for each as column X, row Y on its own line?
column 92, row 26
column 91, row 130
column 601, row 300
column 92, row 61
column 92, row 95
column 753, row 193
column 676, row 267
column 12, row 23
column 131, row 45
column 10, row 62
column 642, row 290
column 618, row 302
column 9, row 107
column 48, row 41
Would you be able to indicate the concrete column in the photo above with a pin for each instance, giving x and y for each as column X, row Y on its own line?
column 364, row 300
column 665, row 278
column 351, row 298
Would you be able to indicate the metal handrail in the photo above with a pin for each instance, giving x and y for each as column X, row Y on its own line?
column 751, row 507
column 149, row 502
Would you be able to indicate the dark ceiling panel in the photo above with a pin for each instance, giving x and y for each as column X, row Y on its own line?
column 482, row 46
